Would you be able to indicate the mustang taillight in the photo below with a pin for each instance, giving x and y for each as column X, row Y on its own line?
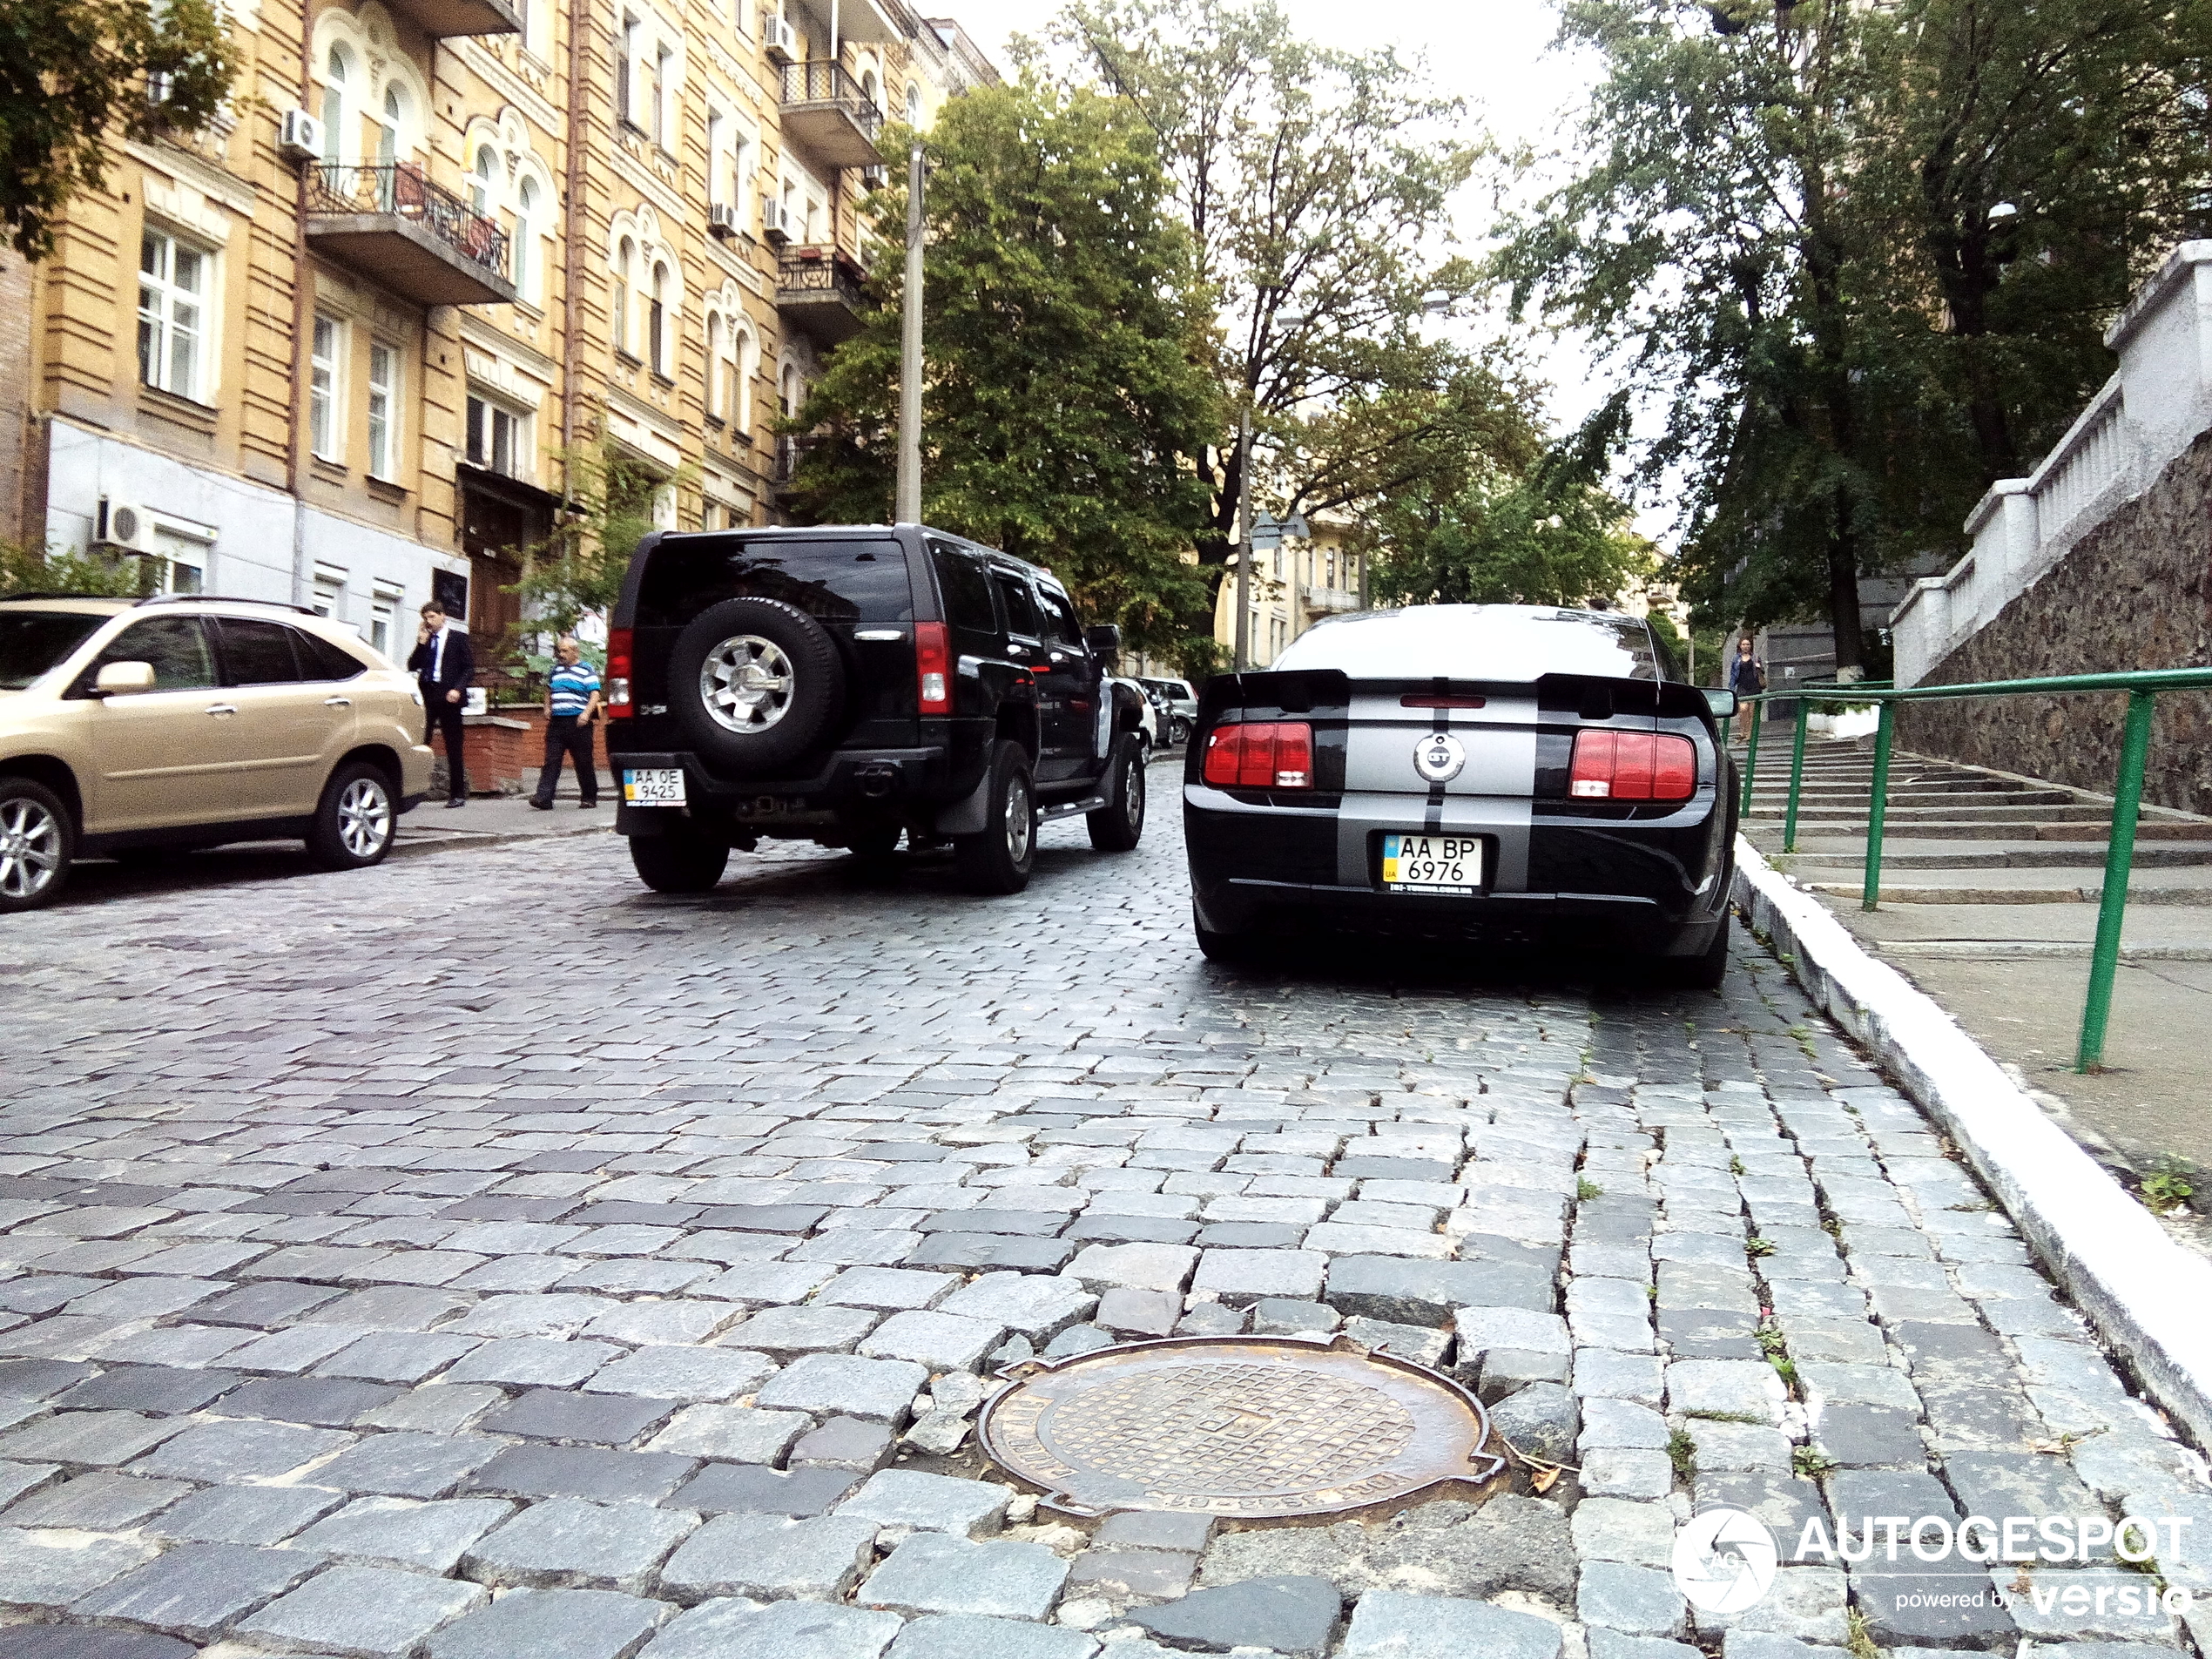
column 932, row 668
column 619, row 706
column 1261, row 755
column 1632, row 765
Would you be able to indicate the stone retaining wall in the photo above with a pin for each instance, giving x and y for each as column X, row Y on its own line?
column 2136, row 592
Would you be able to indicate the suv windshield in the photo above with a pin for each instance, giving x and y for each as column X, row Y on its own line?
column 32, row 642
column 849, row 581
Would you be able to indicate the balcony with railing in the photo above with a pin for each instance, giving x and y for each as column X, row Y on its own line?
column 395, row 226
column 827, row 114
column 1327, row 602
column 818, row 291
column 791, row 450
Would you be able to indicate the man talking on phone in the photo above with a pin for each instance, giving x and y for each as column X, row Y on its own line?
column 444, row 663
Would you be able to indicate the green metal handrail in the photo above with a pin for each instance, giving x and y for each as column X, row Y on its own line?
column 2141, row 686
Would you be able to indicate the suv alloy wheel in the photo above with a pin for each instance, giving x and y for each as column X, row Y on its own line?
column 354, row 820
column 998, row 858
column 37, row 843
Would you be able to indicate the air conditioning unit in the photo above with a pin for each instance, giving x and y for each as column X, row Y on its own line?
column 721, row 219
column 776, row 222
column 782, row 39
column 872, row 178
column 125, row 524
column 300, row 136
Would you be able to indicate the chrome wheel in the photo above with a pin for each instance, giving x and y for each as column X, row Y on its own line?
column 364, row 817
column 1020, row 820
column 745, row 683
column 30, row 849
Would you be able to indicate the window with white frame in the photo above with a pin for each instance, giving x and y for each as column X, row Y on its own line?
column 383, row 409
column 625, row 258
column 913, row 103
column 742, row 360
column 665, row 95
column 387, row 129
column 715, row 380
column 741, row 155
column 338, row 67
column 180, row 560
column 481, row 181
column 526, row 238
column 383, row 615
column 325, row 427
column 330, row 593
column 717, row 125
column 626, row 69
column 498, row 437
column 173, row 284
column 656, row 321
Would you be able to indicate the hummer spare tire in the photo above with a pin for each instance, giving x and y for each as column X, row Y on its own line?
column 753, row 683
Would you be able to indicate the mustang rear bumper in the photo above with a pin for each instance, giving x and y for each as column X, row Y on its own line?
column 1651, row 886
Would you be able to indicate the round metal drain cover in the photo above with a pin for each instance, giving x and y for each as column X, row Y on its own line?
column 1234, row 1426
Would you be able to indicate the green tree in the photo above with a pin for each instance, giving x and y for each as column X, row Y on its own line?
column 580, row 567
column 74, row 72
column 1317, row 185
column 25, row 569
column 1548, row 536
column 1064, row 336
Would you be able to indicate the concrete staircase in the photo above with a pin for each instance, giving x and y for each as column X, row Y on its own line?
column 1957, row 835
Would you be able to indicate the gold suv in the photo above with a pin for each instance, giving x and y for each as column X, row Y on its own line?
column 186, row 722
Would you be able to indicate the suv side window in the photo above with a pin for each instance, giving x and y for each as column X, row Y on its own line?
column 1060, row 625
column 176, row 646
column 257, row 653
column 969, row 610
column 320, row 659
column 1021, row 617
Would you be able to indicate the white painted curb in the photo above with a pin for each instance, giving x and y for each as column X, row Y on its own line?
column 2148, row 1296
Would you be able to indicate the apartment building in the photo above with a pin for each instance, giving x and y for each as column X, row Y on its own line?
column 1297, row 580
column 335, row 348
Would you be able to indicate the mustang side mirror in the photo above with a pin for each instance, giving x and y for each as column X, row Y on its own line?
column 1722, row 702
column 1105, row 640
column 121, row 679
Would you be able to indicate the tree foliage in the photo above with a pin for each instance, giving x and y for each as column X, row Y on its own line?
column 1065, row 340
column 1860, row 257
column 73, row 71
column 580, row 567
column 25, row 569
column 1317, row 186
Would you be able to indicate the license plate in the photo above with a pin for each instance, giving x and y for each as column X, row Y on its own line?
column 1449, row 864
column 656, row 786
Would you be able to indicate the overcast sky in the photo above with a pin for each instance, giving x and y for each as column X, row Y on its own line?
column 1493, row 53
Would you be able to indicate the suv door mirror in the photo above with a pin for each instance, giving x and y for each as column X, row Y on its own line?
column 1723, row 703
column 122, row 679
column 1105, row 640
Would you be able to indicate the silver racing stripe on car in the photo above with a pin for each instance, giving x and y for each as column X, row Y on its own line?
column 1490, row 796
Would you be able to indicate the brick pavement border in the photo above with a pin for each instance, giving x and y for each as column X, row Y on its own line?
column 2145, row 1293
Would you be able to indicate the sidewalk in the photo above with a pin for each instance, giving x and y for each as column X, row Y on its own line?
column 1989, row 895
column 488, row 819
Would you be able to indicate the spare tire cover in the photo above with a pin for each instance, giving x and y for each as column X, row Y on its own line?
column 753, row 683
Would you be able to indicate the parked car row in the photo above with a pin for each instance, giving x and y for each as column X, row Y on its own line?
column 1473, row 774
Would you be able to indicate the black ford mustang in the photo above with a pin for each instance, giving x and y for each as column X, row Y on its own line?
column 1507, row 773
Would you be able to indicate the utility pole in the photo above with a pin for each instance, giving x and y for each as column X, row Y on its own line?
column 1244, row 538
column 909, row 503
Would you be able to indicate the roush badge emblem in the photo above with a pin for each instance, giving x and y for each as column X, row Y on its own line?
column 1439, row 756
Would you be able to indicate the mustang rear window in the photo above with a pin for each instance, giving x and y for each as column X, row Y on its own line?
column 1477, row 643
column 835, row 580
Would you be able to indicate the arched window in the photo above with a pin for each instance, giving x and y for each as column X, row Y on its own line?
column 656, row 321
column 526, row 238
column 913, row 103
column 624, row 256
column 741, row 360
column 479, row 182
column 387, row 130
column 869, row 88
column 336, row 69
column 791, row 389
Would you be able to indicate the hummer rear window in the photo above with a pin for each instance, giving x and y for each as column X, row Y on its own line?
column 833, row 581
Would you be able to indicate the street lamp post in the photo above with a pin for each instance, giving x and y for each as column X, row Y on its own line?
column 1244, row 538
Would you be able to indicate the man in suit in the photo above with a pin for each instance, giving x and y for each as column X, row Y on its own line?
column 444, row 663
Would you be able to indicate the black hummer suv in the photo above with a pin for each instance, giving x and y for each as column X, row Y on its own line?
column 841, row 685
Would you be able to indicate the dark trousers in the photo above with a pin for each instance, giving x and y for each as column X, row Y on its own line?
column 441, row 715
column 566, row 735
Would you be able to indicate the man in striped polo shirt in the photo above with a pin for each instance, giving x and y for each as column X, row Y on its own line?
column 571, row 704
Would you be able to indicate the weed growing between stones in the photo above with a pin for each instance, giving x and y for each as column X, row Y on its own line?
column 1681, row 1452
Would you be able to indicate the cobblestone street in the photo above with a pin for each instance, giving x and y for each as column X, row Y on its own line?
column 482, row 1257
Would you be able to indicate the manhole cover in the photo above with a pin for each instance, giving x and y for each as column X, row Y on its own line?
column 1232, row 1425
